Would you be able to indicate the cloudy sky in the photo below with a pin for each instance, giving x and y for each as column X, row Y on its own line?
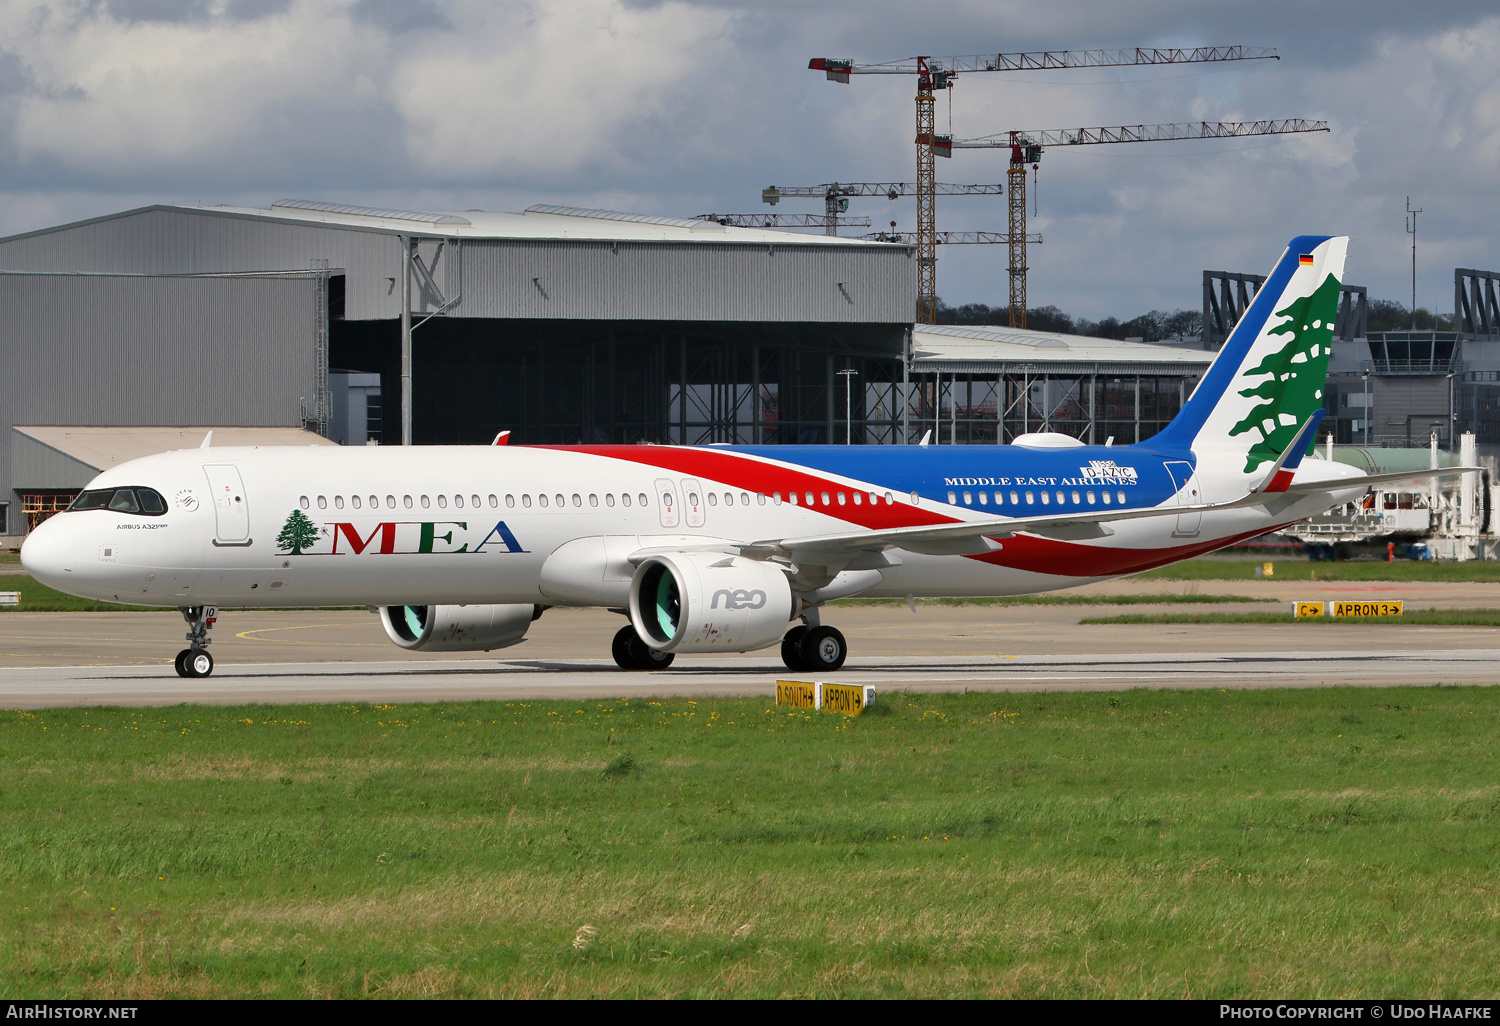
column 693, row 106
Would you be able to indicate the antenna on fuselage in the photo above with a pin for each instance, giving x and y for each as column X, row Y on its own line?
column 207, row 440
column 926, row 438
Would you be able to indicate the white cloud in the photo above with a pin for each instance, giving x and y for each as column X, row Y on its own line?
column 551, row 86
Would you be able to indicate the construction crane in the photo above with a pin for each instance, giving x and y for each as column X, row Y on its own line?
column 1026, row 148
column 934, row 73
column 835, row 195
column 951, row 238
column 780, row 220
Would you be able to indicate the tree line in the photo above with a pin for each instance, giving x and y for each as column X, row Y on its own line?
column 1162, row 326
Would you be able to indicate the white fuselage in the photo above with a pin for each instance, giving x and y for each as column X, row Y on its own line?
column 374, row 526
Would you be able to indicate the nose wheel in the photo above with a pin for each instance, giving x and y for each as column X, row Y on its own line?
column 194, row 661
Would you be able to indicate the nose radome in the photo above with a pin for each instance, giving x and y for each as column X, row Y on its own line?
column 47, row 556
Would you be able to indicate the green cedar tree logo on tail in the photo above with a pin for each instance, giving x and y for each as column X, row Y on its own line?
column 298, row 534
column 1296, row 375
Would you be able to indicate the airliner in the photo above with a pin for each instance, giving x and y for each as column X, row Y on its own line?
column 719, row 548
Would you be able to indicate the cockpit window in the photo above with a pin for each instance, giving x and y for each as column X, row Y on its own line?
column 141, row 501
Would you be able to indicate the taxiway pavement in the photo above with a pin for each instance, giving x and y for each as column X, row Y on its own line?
column 53, row 659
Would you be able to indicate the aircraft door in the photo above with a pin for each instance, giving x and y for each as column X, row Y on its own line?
column 231, row 514
column 666, row 502
column 1188, row 494
column 692, row 502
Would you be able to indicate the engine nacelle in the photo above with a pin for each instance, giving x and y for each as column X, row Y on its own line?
column 457, row 628
column 709, row 602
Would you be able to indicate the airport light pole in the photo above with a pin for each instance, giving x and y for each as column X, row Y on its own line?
column 848, row 374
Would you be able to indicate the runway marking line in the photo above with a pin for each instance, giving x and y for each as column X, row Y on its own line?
column 247, row 636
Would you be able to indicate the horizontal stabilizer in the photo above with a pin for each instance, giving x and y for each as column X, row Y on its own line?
column 1369, row 479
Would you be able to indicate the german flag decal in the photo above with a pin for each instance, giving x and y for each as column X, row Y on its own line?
column 1305, row 259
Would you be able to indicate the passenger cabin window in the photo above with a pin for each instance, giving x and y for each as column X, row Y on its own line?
column 354, row 501
column 338, row 502
column 609, row 499
column 510, row 502
column 474, row 501
column 625, row 499
column 442, row 502
column 304, row 503
column 458, row 501
column 713, row 498
column 494, row 502
column 526, row 501
column 406, row 501
column 642, row 497
column 426, row 502
column 594, row 499
column 322, row 502
column 541, row 500
column 390, row 502
column 577, row 499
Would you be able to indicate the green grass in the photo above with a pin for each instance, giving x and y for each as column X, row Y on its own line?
column 1302, row 570
column 1439, row 617
column 1062, row 600
column 38, row 598
column 1340, row 842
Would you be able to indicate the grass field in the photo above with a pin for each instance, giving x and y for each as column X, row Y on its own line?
column 1210, row 569
column 1435, row 617
column 38, row 598
column 1145, row 598
column 1313, row 843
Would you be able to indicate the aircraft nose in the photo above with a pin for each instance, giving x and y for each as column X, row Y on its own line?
column 48, row 555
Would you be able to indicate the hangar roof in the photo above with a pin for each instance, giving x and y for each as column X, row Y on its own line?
column 540, row 221
column 103, row 447
column 986, row 350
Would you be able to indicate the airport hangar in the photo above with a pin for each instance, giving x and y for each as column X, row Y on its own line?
column 143, row 330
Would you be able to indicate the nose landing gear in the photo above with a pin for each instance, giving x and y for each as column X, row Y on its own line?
column 194, row 661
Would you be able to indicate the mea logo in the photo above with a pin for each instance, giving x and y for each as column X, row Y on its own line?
column 300, row 536
column 1109, row 472
column 740, row 599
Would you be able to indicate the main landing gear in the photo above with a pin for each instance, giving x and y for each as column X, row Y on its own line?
column 808, row 648
column 631, row 653
column 814, row 648
column 194, row 661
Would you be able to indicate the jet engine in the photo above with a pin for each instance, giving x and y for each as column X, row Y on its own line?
column 709, row 602
column 457, row 628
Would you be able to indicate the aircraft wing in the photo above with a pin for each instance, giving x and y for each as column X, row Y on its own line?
column 970, row 536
